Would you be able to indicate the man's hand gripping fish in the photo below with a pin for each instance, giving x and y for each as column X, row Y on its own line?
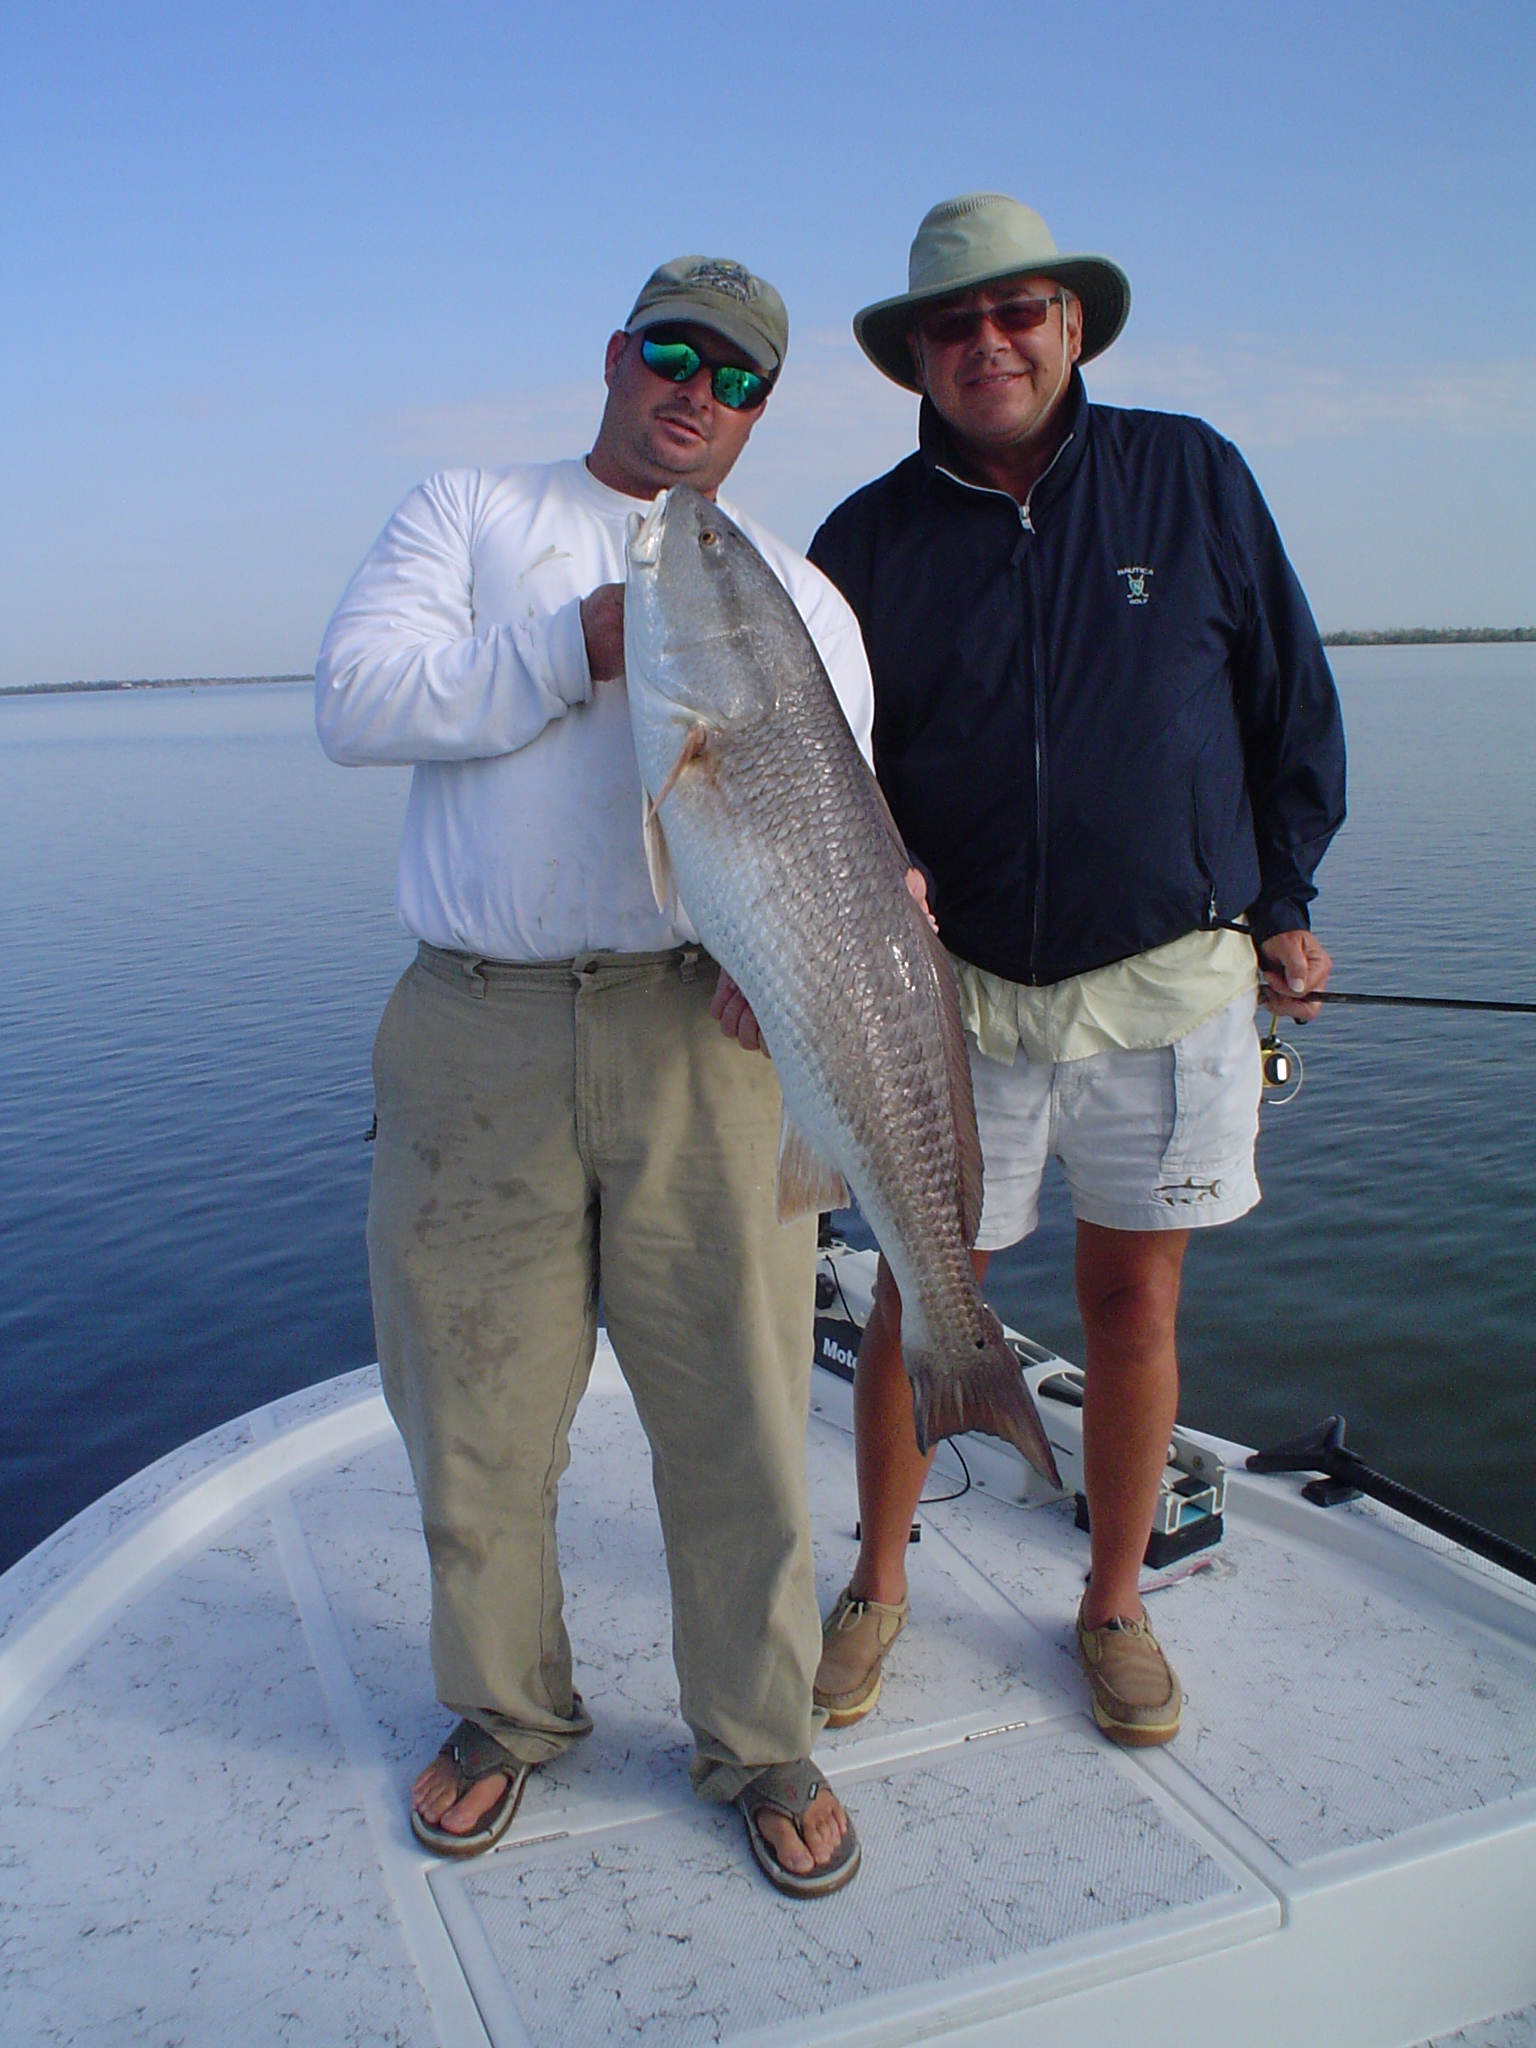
column 765, row 821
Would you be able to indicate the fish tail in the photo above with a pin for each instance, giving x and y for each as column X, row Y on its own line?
column 987, row 1393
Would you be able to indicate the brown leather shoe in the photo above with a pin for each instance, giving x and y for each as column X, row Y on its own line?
column 854, row 1639
column 1137, row 1698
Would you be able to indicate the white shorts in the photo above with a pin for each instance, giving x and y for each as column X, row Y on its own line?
column 1155, row 1140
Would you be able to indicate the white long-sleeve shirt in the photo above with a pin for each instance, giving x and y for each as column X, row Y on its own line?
column 458, row 648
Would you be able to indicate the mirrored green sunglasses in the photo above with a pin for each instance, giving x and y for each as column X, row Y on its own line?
column 678, row 361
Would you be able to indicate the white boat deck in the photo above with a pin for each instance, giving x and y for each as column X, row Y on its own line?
column 214, row 1691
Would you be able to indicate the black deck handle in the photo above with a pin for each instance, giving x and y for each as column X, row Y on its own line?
column 1322, row 1450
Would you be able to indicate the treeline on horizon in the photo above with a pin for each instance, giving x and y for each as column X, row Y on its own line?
column 145, row 683
column 1427, row 636
column 1389, row 636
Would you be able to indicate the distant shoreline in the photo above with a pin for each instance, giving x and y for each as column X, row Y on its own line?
column 1391, row 636
column 1432, row 636
column 144, row 683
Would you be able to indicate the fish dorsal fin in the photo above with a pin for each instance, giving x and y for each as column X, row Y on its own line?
column 808, row 1182
column 957, row 1059
column 957, row 1069
column 890, row 823
column 658, row 864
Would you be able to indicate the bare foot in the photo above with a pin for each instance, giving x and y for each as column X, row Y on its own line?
column 825, row 1825
column 432, row 1795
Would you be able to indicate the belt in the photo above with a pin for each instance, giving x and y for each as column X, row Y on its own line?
column 474, row 973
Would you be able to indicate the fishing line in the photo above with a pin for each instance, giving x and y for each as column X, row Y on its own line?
column 1281, row 1066
column 933, row 1500
column 929, row 1500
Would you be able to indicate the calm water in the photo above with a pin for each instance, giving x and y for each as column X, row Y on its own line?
column 199, row 939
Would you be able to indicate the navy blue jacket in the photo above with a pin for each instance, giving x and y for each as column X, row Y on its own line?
column 1105, row 720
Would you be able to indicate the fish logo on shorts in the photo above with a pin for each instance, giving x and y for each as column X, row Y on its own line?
column 1190, row 1190
column 1136, row 575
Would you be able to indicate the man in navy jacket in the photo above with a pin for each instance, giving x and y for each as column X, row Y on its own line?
column 1108, row 733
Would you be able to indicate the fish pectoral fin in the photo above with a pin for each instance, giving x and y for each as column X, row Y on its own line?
column 695, row 742
column 808, row 1182
column 658, row 865
column 658, row 861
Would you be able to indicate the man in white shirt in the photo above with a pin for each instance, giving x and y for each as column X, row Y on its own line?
column 559, row 1113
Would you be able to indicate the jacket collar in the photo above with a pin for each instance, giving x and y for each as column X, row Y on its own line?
column 936, row 446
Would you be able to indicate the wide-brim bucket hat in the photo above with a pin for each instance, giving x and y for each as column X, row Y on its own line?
column 977, row 239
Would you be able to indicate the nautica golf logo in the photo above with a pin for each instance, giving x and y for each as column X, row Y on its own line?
column 1135, row 584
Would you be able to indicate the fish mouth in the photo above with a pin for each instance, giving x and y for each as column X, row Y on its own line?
column 645, row 532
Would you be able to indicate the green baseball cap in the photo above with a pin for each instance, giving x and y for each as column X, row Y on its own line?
column 974, row 240
column 725, row 297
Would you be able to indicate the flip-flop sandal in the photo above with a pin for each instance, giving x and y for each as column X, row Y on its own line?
column 789, row 1789
column 475, row 1755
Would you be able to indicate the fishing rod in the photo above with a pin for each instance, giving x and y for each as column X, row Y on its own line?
column 1339, row 995
column 1346, row 1474
column 1282, row 1063
column 1268, row 962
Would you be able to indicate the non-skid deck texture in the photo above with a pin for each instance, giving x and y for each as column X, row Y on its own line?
column 1324, row 1711
column 182, row 1852
column 188, row 1852
column 655, row 1933
column 1510, row 2030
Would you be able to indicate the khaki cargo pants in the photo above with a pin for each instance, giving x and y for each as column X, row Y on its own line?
column 543, row 1131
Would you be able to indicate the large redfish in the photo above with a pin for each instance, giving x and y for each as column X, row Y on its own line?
column 766, row 823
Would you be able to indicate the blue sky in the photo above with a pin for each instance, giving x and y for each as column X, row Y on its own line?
column 265, row 266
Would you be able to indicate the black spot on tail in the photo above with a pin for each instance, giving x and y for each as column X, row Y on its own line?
column 987, row 1392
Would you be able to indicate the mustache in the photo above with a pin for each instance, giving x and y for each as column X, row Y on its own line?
column 688, row 416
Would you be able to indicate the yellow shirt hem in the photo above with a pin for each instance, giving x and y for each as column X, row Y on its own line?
column 1151, row 999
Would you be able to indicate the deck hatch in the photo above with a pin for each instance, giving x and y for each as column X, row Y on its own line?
column 991, row 1862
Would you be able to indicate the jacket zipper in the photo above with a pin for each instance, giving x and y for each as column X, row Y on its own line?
column 1037, row 660
column 1212, row 917
column 1037, row 920
column 991, row 490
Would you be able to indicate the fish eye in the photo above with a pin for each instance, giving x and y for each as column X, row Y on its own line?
column 709, row 538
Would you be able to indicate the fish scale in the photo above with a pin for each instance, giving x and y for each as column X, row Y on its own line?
column 765, row 818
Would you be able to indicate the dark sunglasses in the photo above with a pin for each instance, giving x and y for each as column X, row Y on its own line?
column 678, row 361
column 955, row 324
